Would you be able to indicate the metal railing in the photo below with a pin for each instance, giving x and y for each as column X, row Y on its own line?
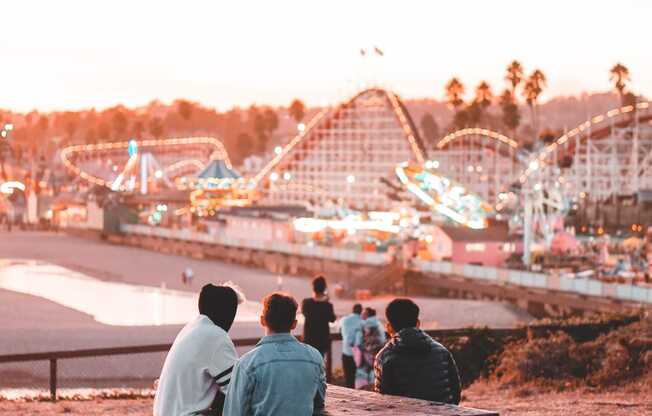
column 54, row 356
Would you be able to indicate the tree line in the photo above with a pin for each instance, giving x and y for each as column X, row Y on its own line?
column 244, row 131
column 521, row 90
column 252, row 130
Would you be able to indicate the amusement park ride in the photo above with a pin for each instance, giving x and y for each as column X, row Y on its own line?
column 348, row 154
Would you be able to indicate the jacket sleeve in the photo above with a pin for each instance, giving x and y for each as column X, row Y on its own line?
column 221, row 365
column 456, row 385
column 238, row 398
column 332, row 318
column 383, row 380
column 305, row 309
column 320, row 396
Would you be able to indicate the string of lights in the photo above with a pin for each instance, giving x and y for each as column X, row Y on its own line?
column 476, row 131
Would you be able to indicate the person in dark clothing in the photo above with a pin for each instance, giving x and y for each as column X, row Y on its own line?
column 318, row 312
column 412, row 364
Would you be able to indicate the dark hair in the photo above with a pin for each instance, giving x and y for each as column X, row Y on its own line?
column 357, row 308
column 319, row 284
column 370, row 311
column 219, row 303
column 280, row 311
column 402, row 313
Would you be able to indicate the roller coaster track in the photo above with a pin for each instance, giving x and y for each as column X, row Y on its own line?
column 68, row 154
column 596, row 128
column 326, row 115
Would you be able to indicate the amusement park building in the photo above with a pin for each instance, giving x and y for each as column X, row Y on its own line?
column 344, row 154
column 487, row 247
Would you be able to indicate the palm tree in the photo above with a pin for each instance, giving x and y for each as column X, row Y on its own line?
column 483, row 95
column 619, row 75
column 454, row 92
column 482, row 100
column 514, row 75
column 531, row 91
column 511, row 115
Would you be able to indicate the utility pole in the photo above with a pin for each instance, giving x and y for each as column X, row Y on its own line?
column 527, row 228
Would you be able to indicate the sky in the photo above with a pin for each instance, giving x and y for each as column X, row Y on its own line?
column 74, row 54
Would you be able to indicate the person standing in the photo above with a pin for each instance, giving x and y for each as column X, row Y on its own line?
column 371, row 321
column 350, row 327
column 412, row 364
column 197, row 370
column 280, row 376
column 369, row 342
column 318, row 312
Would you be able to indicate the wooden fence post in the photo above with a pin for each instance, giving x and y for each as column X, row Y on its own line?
column 329, row 363
column 53, row 379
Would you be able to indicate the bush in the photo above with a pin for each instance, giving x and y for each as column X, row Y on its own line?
column 617, row 357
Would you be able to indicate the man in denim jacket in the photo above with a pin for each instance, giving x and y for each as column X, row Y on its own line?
column 280, row 376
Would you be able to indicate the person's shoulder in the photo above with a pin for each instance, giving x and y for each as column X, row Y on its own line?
column 251, row 357
column 386, row 353
column 437, row 346
column 312, row 352
column 212, row 334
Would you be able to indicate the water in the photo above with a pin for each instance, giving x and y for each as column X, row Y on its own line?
column 110, row 303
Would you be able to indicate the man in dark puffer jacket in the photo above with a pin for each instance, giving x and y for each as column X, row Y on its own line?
column 412, row 364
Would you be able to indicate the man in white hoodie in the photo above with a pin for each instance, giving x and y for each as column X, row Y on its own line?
column 197, row 370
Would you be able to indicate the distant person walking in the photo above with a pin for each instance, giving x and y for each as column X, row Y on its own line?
column 197, row 370
column 412, row 364
column 186, row 276
column 318, row 312
column 350, row 327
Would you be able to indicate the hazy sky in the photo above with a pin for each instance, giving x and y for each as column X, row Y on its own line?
column 82, row 53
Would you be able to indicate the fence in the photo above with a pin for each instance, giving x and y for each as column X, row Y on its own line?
column 581, row 331
column 584, row 286
column 338, row 254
